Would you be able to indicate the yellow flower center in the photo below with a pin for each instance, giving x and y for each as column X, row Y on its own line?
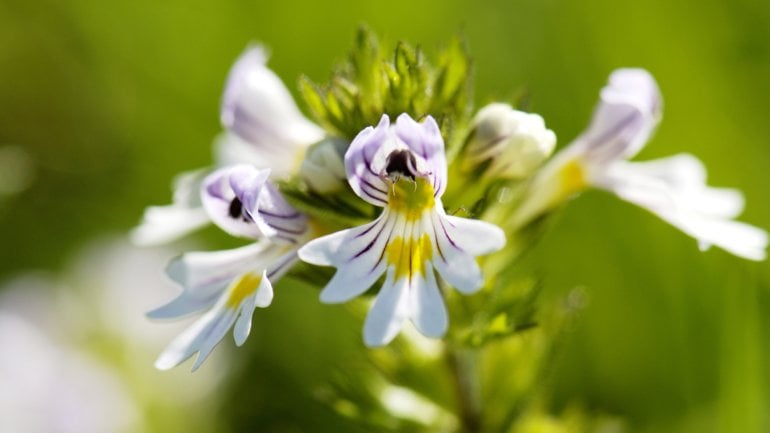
column 409, row 256
column 411, row 197
column 241, row 288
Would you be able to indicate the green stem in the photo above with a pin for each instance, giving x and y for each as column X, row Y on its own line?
column 462, row 364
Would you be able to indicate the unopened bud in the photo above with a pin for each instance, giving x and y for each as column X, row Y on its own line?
column 513, row 142
column 323, row 169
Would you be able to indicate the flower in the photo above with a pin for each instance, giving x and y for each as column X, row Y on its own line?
column 402, row 168
column 514, row 142
column 263, row 127
column 672, row 188
column 231, row 284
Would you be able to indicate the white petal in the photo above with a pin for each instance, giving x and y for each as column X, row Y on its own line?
column 242, row 326
column 184, row 304
column 668, row 203
column 163, row 224
column 455, row 265
column 735, row 237
column 428, row 312
column 213, row 335
column 205, row 275
column 229, row 149
column 337, row 248
column 388, row 313
column 201, row 337
column 476, row 237
column 207, row 272
column 685, row 176
column 357, row 253
column 262, row 297
column 350, row 281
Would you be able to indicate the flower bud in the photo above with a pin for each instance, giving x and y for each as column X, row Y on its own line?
column 513, row 142
column 323, row 169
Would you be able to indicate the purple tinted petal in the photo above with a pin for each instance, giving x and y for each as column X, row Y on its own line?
column 257, row 107
column 627, row 114
column 364, row 164
column 276, row 217
column 218, row 200
column 247, row 183
column 425, row 141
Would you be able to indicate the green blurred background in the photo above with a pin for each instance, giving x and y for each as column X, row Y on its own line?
column 110, row 99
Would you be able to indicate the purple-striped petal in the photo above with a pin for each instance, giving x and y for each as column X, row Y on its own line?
column 365, row 162
column 425, row 141
column 244, row 203
column 258, row 108
column 379, row 156
column 276, row 218
column 628, row 112
column 224, row 207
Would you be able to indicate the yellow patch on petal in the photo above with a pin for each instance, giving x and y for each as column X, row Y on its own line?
column 573, row 177
column 411, row 198
column 241, row 288
column 409, row 256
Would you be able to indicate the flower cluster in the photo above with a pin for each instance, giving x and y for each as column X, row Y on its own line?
column 277, row 173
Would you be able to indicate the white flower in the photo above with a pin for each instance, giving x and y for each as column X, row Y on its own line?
column 230, row 284
column 402, row 168
column 672, row 188
column 264, row 128
column 514, row 142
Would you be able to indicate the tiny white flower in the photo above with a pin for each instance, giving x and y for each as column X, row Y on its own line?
column 514, row 142
column 672, row 188
column 263, row 128
column 402, row 168
column 230, row 284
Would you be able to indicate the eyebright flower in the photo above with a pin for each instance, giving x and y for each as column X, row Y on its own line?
column 672, row 188
column 513, row 142
column 230, row 284
column 263, row 127
column 402, row 168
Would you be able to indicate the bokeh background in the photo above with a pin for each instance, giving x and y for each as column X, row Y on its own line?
column 102, row 103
